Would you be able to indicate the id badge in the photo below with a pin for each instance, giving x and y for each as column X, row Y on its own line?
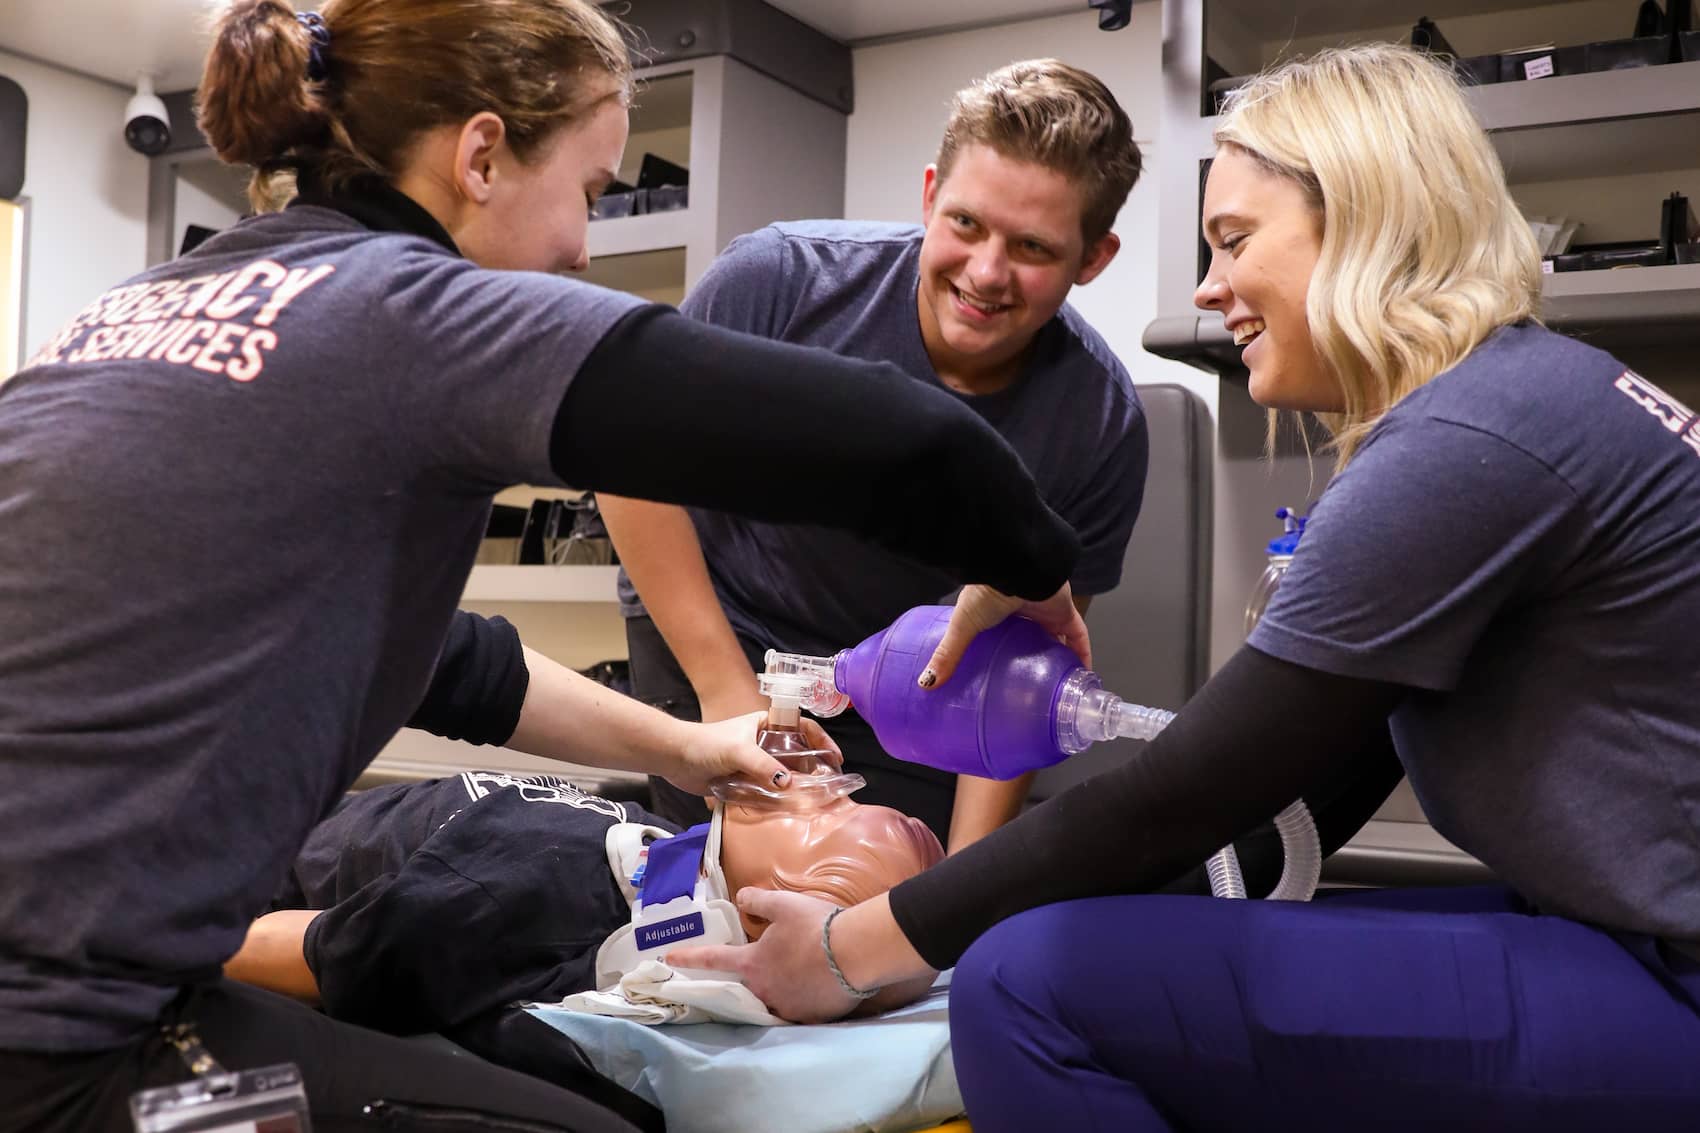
column 268, row 1100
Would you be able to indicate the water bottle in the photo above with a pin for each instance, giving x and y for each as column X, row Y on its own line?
column 1280, row 558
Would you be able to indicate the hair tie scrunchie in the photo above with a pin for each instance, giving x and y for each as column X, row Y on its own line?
column 318, row 46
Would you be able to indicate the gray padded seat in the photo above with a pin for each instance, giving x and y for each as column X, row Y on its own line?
column 1150, row 635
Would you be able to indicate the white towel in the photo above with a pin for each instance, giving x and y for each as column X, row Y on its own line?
column 654, row 993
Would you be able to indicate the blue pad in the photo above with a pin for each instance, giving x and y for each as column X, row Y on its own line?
column 674, row 865
column 888, row 1073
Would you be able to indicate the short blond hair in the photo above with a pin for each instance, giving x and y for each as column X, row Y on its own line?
column 1424, row 253
column 1049, row 113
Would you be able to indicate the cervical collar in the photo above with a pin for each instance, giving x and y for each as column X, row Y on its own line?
column 678, row 897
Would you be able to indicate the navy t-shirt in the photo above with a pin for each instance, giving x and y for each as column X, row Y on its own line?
column 849, row 287
column 1519, row 541
column 447, row 898
column 241, row 494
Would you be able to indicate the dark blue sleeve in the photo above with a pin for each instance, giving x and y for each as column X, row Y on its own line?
column 715, row 400
column 745, row 287
column 1431, row 531
column 479, row 686
column 1259, row 734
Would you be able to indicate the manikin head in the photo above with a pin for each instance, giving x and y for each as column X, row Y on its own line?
column 838, row 850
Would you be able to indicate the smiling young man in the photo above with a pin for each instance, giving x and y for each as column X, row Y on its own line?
column 1036, row 161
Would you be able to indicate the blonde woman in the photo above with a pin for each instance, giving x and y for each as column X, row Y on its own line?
column 1504, row 574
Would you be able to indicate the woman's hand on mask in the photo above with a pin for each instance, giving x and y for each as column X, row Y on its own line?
column 728, row 747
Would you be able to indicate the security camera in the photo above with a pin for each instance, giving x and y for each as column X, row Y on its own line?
column 147, row 124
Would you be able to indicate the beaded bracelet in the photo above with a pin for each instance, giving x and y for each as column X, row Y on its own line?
column 832, row 964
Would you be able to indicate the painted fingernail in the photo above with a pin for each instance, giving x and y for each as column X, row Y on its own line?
column 927, row 679
column 780, row 778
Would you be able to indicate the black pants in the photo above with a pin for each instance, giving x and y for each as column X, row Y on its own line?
column 355, row 1079
column 657, row 680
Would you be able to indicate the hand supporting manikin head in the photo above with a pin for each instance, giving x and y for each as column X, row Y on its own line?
column 838, row 850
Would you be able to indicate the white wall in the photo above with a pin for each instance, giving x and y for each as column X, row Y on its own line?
column 86, row 193
column 209, row 195
column 903, row 95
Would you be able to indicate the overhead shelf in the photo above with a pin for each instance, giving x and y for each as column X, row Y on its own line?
column 1300, row 18
column 1673, row 88
column 1624, row 297
column 1641, row 120
column 1611, row 309
column 651, row 232
column 542, row 584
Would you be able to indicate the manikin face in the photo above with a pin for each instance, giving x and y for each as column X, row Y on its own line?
column 534, row 216
column 1266, row 238
column 1001, row 250
column 842, row 852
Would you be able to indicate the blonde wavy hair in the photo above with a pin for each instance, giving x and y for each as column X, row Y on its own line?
column 1424, row 253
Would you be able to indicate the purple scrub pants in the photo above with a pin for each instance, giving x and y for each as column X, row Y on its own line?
column 1440, row 1009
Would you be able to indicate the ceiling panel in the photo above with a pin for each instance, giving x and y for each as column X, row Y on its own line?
column 117, row 39
column 855, row 21
column 113, row 39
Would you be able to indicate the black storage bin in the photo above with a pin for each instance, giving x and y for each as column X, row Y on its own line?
column 1626, row 258
column 657, row 172
column 669, row 198
column 1520, row 65
column 1677, row 224
column 1426, row 36
column 1622, row 54
column 1222, row 88
column 506, row 522
column 610, row 205
column 1478, row 70
column 1690, row 46
column 1602, row 257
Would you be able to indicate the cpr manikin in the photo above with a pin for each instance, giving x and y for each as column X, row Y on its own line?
column 808, row 837
column 812, row 837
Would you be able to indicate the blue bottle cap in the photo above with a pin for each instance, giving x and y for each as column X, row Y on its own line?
column 1288, row 541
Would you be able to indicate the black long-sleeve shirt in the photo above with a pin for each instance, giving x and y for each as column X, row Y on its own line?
column 1260, row 734
column 856, row 445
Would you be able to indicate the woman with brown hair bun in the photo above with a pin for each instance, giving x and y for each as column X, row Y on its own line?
column 289, row 439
